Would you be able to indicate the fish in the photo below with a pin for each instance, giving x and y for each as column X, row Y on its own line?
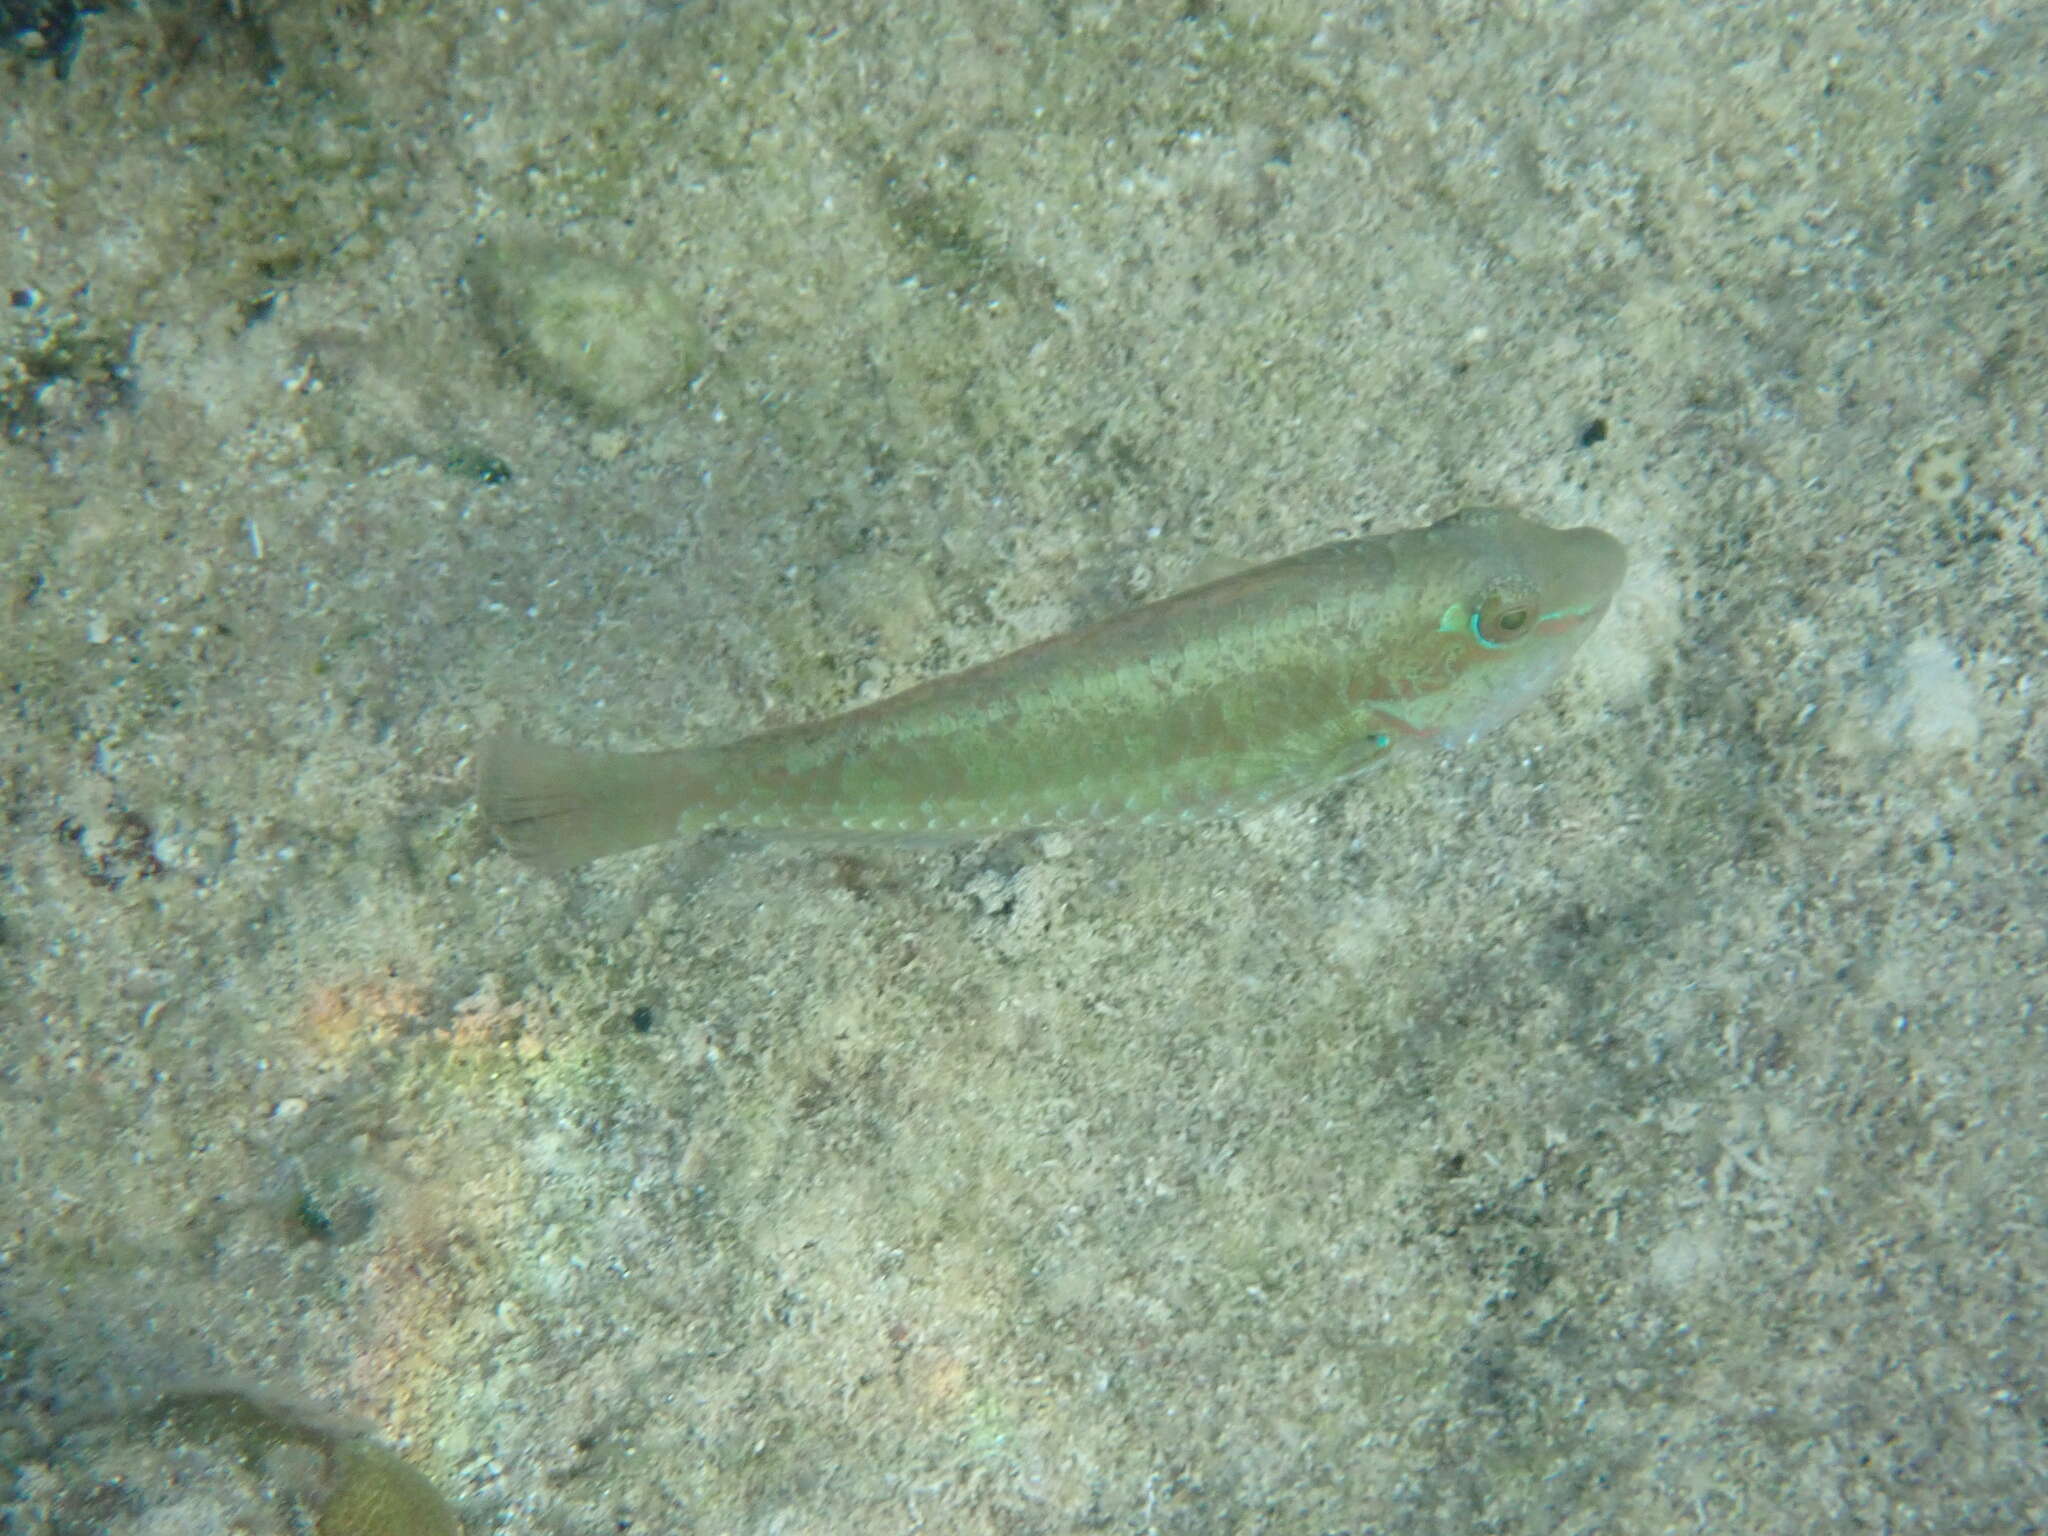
column 1268, row 685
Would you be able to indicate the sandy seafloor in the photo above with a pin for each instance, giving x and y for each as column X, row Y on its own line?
column 1631, row 1123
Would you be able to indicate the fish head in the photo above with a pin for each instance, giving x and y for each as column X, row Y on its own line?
column 1488, row 608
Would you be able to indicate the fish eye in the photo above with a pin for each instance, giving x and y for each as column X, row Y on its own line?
column 1502, row 620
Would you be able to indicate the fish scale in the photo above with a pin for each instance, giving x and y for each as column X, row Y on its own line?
column 1268, row 684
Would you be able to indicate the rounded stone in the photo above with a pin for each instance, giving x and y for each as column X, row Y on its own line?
column 610, row 338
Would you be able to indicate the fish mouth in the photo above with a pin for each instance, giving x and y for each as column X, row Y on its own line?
column 1593, row 563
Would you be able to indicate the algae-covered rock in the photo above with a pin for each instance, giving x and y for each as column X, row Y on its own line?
column 215, row 1459
column 612, row 339
column 377, row 1494
column 348, row 1484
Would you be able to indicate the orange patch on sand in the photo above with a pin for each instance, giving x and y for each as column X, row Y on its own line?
column 487, row 1018
column 343, row 1019
column 430, row 1289
column 430, row 1293
column 938, row 1384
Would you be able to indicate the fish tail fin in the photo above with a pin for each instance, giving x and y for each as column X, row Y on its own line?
column 557, row 807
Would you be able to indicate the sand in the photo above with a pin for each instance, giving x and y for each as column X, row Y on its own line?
column 1632, row 1122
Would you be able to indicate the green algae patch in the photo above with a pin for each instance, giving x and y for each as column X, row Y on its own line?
column 42, row 356
column 611, row 339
